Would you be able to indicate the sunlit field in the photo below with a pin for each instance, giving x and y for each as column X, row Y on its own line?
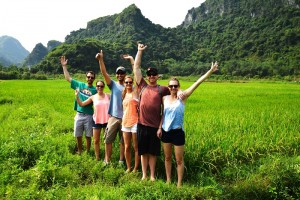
column 242, row 142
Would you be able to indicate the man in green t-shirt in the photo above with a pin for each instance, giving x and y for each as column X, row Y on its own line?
column 83, row 120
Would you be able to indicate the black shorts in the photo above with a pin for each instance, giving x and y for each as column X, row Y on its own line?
column 98, row 126
column 175, row 136
column 148, row 142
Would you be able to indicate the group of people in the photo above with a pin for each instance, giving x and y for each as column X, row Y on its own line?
column 145, row 114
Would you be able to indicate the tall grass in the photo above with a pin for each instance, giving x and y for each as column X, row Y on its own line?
column 242, row 142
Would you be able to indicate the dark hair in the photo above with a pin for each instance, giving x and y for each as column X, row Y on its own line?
column 91, row 72
column 175, row 79
column 100, row 82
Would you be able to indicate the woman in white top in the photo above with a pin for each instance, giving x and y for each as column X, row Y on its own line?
column 101, row 103
column 171, row 129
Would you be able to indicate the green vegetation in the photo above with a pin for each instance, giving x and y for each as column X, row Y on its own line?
column 242, row 142
column 250, row 38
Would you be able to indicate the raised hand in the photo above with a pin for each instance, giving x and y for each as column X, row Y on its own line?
column 214, row 66
column 141, row 47
column 99, row 55
column 76, row 92
column 126, row 56
column 63, row 61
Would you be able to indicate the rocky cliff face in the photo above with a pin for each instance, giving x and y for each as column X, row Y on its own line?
column 37, row 54
column 250, row 8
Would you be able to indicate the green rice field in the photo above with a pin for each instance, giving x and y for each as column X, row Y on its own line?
column 242, row 142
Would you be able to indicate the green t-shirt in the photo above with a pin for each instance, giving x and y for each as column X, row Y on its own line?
column 84, row 93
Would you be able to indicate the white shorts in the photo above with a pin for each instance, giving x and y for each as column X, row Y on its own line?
column 131, row 129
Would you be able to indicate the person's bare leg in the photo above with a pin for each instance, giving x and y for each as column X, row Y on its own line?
column 179, row 150
column 79, row 144
column 122, row 145
column 108, row 152
column 136, row 154
column 127, row 143
column 96, row 135
column 122, row 152
column 144, row 161
column 152, row 164
column 88, row 143
column 168, row 160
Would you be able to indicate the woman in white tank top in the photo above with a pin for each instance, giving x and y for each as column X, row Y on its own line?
column 171, row 126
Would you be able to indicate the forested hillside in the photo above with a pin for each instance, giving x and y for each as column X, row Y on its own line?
column 249, row 38
column 39, row 52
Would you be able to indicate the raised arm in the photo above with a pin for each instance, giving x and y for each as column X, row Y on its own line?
column 99, row 57
column 130, row 58
column 190, row 90
column 84, row 103
column 64, row 62
column 137, row 63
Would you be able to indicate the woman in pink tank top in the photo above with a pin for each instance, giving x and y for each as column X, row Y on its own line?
column 129, row 122
column 100, row 117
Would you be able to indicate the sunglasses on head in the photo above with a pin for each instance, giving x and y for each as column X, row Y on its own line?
column 128, row 82
column 90, row 77
column 100, row 86
column 173, row 86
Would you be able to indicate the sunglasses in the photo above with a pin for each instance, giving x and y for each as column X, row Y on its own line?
column 151, row 74
column 128, row 82
column 173, row 86
column 100, row 86
column 90, row 77
column 120, row 73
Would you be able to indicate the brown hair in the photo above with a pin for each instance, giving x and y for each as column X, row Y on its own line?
column 91, row 72
column 100, row 81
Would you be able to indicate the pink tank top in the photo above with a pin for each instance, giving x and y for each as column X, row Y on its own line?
column 101, row 110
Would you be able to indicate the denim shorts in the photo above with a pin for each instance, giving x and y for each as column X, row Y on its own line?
column 98, row 126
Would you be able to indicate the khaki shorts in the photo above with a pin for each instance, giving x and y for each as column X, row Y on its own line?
column 113, row 127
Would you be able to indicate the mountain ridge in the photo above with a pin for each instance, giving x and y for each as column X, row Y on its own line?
column 11, row 51
column 249, row 38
